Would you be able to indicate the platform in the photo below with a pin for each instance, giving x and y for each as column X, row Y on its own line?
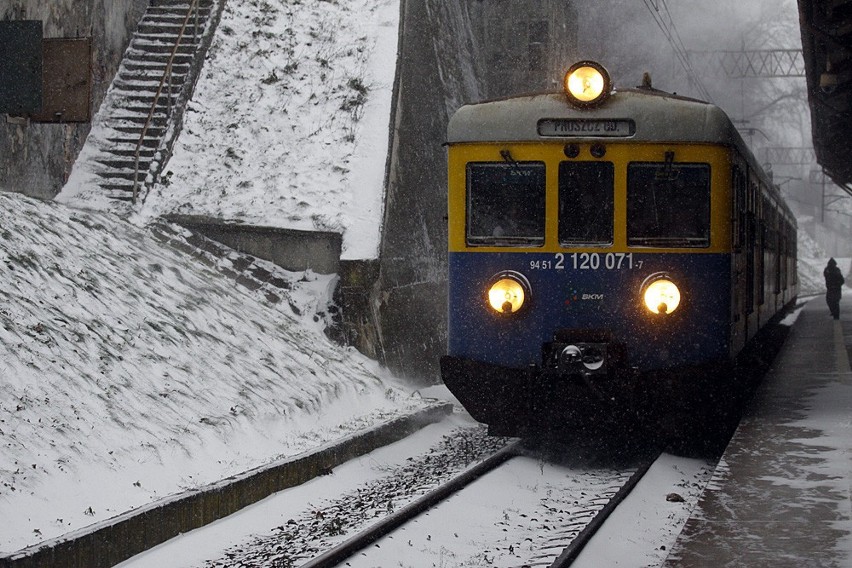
column 780, row 496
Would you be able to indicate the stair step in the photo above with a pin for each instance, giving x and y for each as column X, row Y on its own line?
column 149, row 144
column 119, row 195
column 153, row 130
column 125, row 163
column 178, row 4
column 146, row 109
column 145, row 153
column 145, row 86
column 162, row 59
column 139, row 121
column 153, row 80
column 149, row 75
column 162, row 15
column 164, row 37
column 156, row 67
column 152, row 42
column 155, row 57
column 173, row 28
column 162, row 47
column 143, row 105
column 123, row 177
column 174, row 18
column 116, row 186
column 146, row 100
column 143, row 80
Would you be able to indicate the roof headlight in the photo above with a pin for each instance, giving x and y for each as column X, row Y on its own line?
column 661, row 295
column 587, row 84
column 509, row 292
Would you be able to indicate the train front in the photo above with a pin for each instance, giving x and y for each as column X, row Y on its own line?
column 585, row 248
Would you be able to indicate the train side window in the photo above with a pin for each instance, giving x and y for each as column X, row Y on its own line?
column 505, row 203
column 586, row 203
column 668, row 204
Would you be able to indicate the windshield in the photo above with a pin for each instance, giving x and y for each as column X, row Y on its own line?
column 505, row 203
column 585, row 202
column 668, row 204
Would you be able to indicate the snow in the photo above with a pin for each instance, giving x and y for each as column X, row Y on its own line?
column 210, row 543
column 288, row 125
column 643, row 528
column 131, row 372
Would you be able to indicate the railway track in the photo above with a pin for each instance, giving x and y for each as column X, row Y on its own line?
column 566, row 541
column 470, row 499
column 395, row 520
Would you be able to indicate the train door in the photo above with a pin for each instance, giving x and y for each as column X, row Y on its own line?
column 775, row 244
column 738, row 270
column 760, row 252
column 751, row 253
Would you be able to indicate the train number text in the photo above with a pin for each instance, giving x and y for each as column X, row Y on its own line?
column 588, row 261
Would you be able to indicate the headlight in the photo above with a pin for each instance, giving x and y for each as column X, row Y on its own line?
column 509, row 292
column 587, row 83
column 661, row 295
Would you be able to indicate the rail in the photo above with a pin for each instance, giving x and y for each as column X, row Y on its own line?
column 338, row 554
column 167, row 75
column 570, row 554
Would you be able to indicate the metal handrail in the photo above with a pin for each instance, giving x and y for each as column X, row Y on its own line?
column 167, row 73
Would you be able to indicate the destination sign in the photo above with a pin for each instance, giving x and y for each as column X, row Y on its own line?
column 585, row 127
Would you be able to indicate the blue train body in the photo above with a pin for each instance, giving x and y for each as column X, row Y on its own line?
column 570, row 298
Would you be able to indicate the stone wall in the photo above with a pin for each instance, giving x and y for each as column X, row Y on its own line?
column 36, row 158
column 435, row 74
column 450, row 54
column 526, row 45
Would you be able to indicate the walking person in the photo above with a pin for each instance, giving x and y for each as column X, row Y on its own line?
column 833, row 283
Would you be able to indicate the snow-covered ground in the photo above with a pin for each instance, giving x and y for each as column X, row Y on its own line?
column 130, row 371
column 288, row 125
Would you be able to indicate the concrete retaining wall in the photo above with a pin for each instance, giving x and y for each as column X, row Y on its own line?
column 36, row 159
column 435, row 75
column 290, row 249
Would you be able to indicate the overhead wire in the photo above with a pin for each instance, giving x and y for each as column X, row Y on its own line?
column 666, row 24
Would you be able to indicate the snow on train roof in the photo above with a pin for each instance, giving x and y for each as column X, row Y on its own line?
column 658, row 117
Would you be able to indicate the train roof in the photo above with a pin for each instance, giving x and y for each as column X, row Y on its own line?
column 658, row 117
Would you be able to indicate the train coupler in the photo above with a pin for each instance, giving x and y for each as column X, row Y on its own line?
column 587, row 353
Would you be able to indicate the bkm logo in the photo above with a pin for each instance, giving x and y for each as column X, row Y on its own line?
column 584, row 297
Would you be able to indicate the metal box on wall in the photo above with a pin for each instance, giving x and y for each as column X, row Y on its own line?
column 20, row 66
column 67, row 81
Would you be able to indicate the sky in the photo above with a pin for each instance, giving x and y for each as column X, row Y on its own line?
column 131, row 371
column 635, row 42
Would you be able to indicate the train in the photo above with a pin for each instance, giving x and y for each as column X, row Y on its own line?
column 608, row 248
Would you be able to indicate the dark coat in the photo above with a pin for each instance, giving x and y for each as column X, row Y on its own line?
column 833, row 278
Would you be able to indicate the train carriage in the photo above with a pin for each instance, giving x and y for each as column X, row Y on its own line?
column 601, row 241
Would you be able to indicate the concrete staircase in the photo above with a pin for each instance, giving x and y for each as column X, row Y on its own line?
column 248, row 271
column 143, row 111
